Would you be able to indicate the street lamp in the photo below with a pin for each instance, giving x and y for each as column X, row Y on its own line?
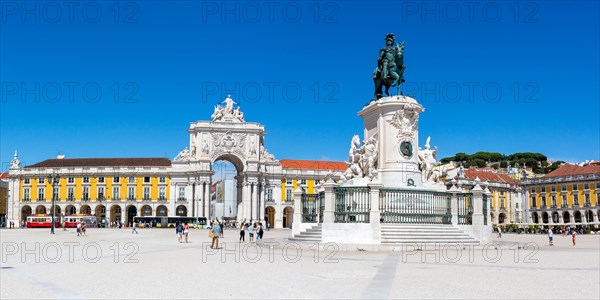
column 53, row 180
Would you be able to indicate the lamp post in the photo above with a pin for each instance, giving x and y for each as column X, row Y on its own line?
column 53, row 181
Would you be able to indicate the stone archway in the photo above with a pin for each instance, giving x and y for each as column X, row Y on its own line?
column 101, row 214
column 40, row 209
column 590, row 216
column 228, row 187
column 162, row 211
column 545, row 218
column 501, row 218
column 535, row 217
column 131, row 212
column 25, row 212
column 56, row 210
column 566, row 217
column 270, row 216
column 115, row 213
column 555, row 217
column 181, row 211
column 85, row 209
column 146, row 211
column 70, row 210
column 577, row 216
column 288, row 217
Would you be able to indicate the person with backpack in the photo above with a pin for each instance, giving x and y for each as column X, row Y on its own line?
column 179, row 231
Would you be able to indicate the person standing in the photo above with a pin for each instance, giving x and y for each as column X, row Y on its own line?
column 251, row 232
column 268, row 226
column 216, row 232
column 242, row 233
column 499, row 232
column 186, row 231
column 573, row 236
column 550, row 236
column 78, row 229
column 133, row 228
column 221, row 225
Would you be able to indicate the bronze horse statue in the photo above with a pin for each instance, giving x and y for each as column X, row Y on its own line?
column 390, row 67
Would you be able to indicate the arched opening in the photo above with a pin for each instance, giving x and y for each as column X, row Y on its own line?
column 501, row 218
column 224, row 193
column 181, row 211
column 535, row 218
column 590, row 216
column 288, row 217
column 25, row 211
column 40, row 210
column 545, row 217
column 555, row 217
column 566, row 217
column 577, row 216
column 101, row 215
column 146, row 211
column 115, row 214
column 131, row 212
column 270, row 216
column 85, row 209
column 70, row 210
column 162, row 211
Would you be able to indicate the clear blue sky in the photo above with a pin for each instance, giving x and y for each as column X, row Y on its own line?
column 172, row 61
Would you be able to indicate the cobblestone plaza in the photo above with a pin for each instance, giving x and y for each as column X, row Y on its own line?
column 114, row 263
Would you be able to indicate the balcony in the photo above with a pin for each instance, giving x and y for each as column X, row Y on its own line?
column 181, row 199
column 85, row 198
column 70, row 198
column 146, row 198
column 26, row 200
column 131, row 198
column 564, row 205
column 162, row 199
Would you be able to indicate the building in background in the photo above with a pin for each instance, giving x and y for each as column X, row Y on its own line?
column 3, row 198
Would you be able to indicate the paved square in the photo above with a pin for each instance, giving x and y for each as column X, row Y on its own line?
column 114, row 263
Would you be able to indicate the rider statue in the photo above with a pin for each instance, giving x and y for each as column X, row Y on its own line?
column 390, row 66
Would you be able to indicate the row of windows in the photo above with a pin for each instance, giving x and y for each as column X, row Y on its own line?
column 85, row 195
column 290, row 181
column 586, row 186
column 554, row 202
column 86, row 179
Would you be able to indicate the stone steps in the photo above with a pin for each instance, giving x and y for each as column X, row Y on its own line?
column 423, row 233
column 313, row 234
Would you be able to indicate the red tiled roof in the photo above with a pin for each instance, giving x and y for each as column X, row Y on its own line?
column 4, row 175
column 570, row 170
column 103, row 162
column 313, row 165
column 472, row 173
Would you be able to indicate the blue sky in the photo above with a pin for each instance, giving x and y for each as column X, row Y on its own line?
column 498, row 76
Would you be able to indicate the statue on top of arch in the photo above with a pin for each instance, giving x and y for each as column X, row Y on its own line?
column 227, row 113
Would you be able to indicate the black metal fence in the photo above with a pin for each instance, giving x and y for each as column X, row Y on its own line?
column 309, row 208
column 352, row 205
column 321, row 206
column 465, row 208
column 409, row 206
column 485, row 209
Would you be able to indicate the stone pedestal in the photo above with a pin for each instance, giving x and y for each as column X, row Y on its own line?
column 393, row 122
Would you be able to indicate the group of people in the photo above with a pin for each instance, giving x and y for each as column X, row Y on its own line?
column 80, row 228
column 182, row 230
column 255, row 231
column 565, row 232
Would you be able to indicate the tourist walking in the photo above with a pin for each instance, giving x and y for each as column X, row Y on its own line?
column 221, row 225
column 242, row 233
column 133, row 228
column 573, row 236
column 78, row 229
column 251, row 229
column 550, row 236
column 268, row 226
column 179, row 231
column 186, row 231
column 499, row 232
column 215, row 232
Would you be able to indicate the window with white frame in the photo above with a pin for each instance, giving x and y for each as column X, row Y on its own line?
column 289, row 181
column 146, row 179
column 26, row 194
column 575, row 186
column 70, row 193
column 288, row 194
column 86, row 179
column 553, row 201
column 86, row 193
column 146, row 193
column 26, row 181
column 100, row 179
column 100, row 193
column 162, row 179
column 181, row 193
column 131, row 179
column 40, row 194
column 575, row 199
column 270, row 194
column 162, row 193
column 116, row 193
column 41, row 180
column 71, row 180
column 55, row 192
column 116, row 179
column 586, row 186
column 303, row 181
column 131, row 193
column 587, row 199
